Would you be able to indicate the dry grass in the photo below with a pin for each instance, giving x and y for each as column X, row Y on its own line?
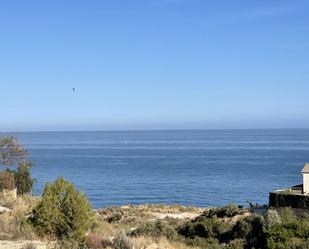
column 13, row 224
column 134, row 215
column 158, row 243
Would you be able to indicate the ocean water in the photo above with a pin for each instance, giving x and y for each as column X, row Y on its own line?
column 190, row 167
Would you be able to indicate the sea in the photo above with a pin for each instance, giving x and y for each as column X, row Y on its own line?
column 202, row 168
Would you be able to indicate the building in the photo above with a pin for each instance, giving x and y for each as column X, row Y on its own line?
column 305, row 173
column 295, row 197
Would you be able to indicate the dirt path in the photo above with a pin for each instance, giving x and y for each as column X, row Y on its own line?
column 184, row 215
column 5, row 244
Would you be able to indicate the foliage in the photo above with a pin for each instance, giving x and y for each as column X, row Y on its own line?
column 209, row 228
column 68, row 244
column 114, row 218
column 23, row 179
column 121, row 241
column 155, row 229
column 227, row 211
column 210, row 243
column 292, row 232
column 236, row 244
column 242, row 229
column 63, row 212
column 246, row 233
column 271, row 218
column 11, row 152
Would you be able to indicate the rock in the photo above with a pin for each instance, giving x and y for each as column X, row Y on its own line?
column 4, row 209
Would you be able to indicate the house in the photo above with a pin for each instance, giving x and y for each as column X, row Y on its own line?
column 295, row 197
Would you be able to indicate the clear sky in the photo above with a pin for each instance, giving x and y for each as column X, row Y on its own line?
column 154, row 64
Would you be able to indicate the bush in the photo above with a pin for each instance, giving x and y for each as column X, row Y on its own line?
column 227, row 211
column 63, row 212
column 209, row 228
column 114, row 218
column 98, row 241
column 271, row 218
column 237, row 244
column 23, row 179
column 242, row 229
column 121, row 241
column 155, row 229
column 210, row 243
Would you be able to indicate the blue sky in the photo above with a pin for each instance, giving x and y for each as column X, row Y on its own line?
column 154, row 64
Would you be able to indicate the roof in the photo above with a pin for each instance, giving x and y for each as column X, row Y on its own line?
column 305, row 168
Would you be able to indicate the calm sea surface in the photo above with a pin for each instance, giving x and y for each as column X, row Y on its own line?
column 192, row 167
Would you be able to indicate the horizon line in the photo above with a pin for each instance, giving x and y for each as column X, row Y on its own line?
column 139, row 130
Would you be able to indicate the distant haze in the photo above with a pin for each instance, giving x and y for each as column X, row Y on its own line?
column 157, row 64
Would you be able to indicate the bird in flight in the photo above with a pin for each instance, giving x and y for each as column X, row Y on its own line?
column 73, row 89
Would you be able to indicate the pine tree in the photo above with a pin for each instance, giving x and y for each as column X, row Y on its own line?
column 63, row 212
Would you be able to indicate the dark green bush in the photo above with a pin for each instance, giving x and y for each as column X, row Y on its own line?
column 63, row 212
column 115, row 217
column 227, row 211
column 242, row 229
column 250, row 230
column 23, row 179
column 155, row 229
column 209, row 228
column 210, row 243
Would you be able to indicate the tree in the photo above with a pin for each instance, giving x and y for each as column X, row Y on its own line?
column 63, row 212
column 13, row 154
column 23, row 179
column 11, row 151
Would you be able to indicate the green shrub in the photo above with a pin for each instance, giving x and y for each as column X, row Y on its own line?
column 227, row 211
column 271, row 218
column 23, row 179
column 155, row 229
column 209, row 228
column 236, row 244
column 289, row 234
column 63, row 212
column 242, row 229
column 210, row 243
column 114, row 218
column 287, row 215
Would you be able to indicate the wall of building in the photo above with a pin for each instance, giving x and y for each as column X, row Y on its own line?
column 306, row 183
